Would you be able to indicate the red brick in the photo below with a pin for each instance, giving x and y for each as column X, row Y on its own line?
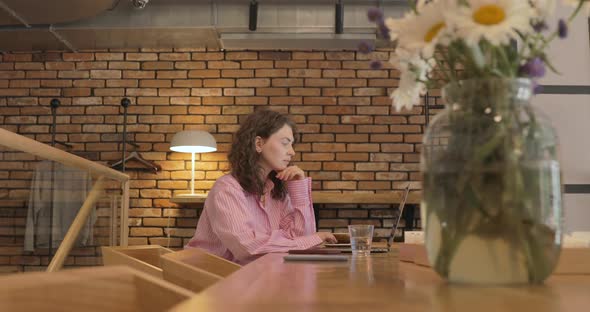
column 304, row 91
column 305, row 73
column 355, row 64
column 157, row 65
column 153, row 101
column 358, row 176
column 362, row 147
column 274, row 55
column 271, row 73
column 206, row 92
column 305, row 110
column 189, row 65
column 338, row 73
column 317, row 156
column 142, row 92
column 387, row 138
column 174, row 92
column 405, row 129
column 128, row 83
column 91, row 65
column 78, row 56
column 372, row 166
column 204, row 73
column 337, row 92
column 369, row 91
column 60, row 65
column 319, row 101
column 339, row 185
column 141, row 57
column 332, row 223
column 397, row 148
column 238, row 91
column 372, row 73
column 139, row 74
column 185, row 100
column 175, row 56
column 257, row 64
column 30, row 83
column 308, row 55
column 218, row 100
column 346, row 82
column 328, row 147
column 171, row 74
column 207, row 56
column 223, row 64
column 341, row 56
column 14, row 92
column 109, row 56
column 237, row 73
column 354, row 100
column 320, row 82
column 241, row 56
column 338, row 128
column 372, row 128
column 386, row 157
column 252, row 100
column 287, row 82
column 156, row 83
column 76, row 92
column 219, row 83
column 17, row 57
column 393, row 176
column 188, row 83
column 238, row 110
column 290, row 64
column 255, row 82
column 272, row 91
column 46, row 74
column 324, row 64
column 205, row 110
column 123, row 65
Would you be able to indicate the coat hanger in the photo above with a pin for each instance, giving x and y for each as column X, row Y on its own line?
column 135, row 156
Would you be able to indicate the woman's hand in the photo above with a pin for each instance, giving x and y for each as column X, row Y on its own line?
column 327, row 237
column 291, row 173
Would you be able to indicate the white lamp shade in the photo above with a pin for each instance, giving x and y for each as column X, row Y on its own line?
column 194, row 141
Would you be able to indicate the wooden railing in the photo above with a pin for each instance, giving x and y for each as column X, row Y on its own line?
column 21, row 143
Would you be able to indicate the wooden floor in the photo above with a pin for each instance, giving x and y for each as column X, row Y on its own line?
column 377, row 283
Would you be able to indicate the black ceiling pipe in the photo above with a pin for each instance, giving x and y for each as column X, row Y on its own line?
column 253, row 15
column 339, row 26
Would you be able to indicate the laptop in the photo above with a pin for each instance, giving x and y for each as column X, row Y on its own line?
column 378, row 249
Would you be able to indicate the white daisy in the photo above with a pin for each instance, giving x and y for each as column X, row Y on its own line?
column 494, row 20
column 413, row 73
column 544, row 8
column 408, row 91
column 420, row 33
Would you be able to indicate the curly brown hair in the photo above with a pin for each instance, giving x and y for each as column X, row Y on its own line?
column 243, row 158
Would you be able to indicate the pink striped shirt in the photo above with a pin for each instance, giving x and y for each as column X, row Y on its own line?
column 237, row 226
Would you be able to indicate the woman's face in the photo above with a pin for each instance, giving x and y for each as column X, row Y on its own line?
column 277, row 151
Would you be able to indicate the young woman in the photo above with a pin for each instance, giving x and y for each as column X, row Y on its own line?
column 264, row 204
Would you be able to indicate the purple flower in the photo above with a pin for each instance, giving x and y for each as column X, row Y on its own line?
column 540, row 26
column 562, row 29
column 365, row 47
column 375, row 14
column 376, row 64
column 383, row 29
column 533, row 68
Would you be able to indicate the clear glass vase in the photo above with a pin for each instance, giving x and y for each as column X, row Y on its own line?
column 492, row 186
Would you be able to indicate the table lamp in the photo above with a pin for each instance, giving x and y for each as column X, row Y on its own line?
column 194, row 141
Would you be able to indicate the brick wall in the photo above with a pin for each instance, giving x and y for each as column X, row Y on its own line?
column 351, row 139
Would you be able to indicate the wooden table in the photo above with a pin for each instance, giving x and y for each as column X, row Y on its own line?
column 377, row 283
column 323, row 197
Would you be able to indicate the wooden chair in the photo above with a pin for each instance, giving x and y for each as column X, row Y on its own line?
column 145, row 258
column 195, row 269
column 97, row 289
